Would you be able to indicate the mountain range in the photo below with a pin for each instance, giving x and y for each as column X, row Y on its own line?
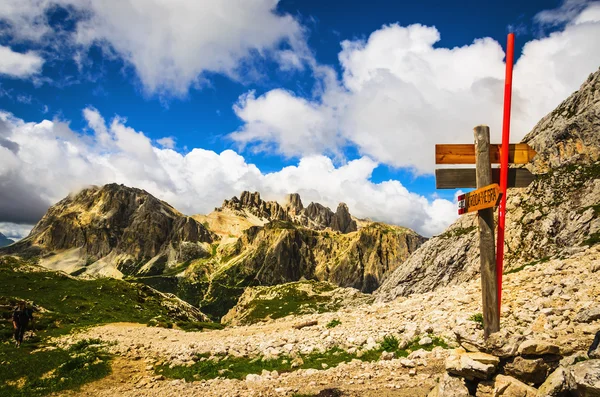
column 209, row 260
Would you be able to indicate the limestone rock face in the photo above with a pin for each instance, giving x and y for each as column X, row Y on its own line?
column 554, row 216
column 314, row 216
column 116, row 220
column 569, row 134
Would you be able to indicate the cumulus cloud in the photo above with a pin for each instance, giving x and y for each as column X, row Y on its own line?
column 19, row 65
column 400, row 93
column 52, row 160
column 171, row 45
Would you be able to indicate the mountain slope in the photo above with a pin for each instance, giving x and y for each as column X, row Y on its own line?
column 556, row 216
column 4, row 241
column 123, row 232
column 114, row 230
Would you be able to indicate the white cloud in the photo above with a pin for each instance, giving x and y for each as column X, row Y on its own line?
column 167, row 142
column 19, row 65
column 14, row 231
column 49, row 160
column 401, row 94
column 170, row 44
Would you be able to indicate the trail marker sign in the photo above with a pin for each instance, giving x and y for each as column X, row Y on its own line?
column 486, row 197
column 518, row 153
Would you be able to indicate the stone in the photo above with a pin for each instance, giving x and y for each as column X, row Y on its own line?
column 586, row 378
column 462, row 365
column 484, row 358
column 538, row 348
column 253, row 378
column 449, row 386
column 425, row 341
column 387, row 355
column 557, row 384
column 530, row 371
column 507, row 386
column 588, row 315
column 405, row 362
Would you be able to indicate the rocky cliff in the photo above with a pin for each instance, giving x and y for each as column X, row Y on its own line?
column 4, row 241
column 314, row 216
column 555, row 217
column 114, row 230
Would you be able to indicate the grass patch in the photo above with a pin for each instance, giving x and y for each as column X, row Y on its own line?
column 477, row 318
column 458, row 232
column 239, row 367
column 593, row 239
column 532, row 263
column 62, row 304
column 333, row 323
column 283, row 300
column 390, row 343
column 29, row 373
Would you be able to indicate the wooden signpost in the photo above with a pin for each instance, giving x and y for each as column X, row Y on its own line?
column 483, row 200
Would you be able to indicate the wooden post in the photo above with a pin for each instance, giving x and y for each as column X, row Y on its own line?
column 489, row 285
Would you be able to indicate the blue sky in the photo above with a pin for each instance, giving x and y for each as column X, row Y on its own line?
column 284, row 82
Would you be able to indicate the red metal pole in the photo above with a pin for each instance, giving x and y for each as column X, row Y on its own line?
column 504, row 163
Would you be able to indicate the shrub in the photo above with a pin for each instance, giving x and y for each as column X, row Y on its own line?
column 389, row 343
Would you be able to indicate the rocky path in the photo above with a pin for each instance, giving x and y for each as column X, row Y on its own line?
column 555, row 302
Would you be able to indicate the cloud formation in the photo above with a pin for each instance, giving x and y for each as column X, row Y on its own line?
column 52, row 160
column 19, row 65
column 400, row 94
column 171, row 45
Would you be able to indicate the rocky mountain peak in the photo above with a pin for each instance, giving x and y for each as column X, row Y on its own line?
column 293, row 203
column 315, row 215
column 570, row 133
column 116, row 220
column 342, row 220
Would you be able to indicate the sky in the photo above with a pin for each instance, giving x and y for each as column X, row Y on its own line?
column 341, row 101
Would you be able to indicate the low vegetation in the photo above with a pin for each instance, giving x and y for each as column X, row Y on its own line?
column 61, row 304
column 207, row 367
column 477, row 318
column 532, row 263
column 287, row 299
column 30, row 372
column 333, row 323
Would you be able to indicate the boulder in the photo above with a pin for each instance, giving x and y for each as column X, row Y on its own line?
column 589, row 315
column 538, row 348
column 557, row 384
column 507, row 386
column 449, row 386
column 459, row 363
column 586, row 378
column 530, row 371
column 503, row 344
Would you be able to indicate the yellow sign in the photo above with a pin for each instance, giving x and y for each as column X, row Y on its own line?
column 486, row 197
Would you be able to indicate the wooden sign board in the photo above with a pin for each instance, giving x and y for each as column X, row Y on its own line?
column 486, row 197
column 456, row 178
column 519, row 153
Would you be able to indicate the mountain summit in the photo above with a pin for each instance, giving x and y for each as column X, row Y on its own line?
column 114, row 230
